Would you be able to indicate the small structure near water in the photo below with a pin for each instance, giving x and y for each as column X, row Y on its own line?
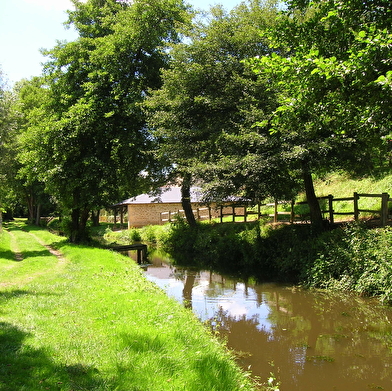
column 139, row 247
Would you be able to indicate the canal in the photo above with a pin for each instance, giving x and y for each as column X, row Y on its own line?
column 309, row 340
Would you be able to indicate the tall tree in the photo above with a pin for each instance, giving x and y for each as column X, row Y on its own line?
column 93, row 145
column 204, row 113
column 8, row 129
column 30, row 96
column 330, row 70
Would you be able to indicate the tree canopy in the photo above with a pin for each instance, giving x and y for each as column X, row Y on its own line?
column 90, row 145
column 8, row 132
column 252, row 102
column 203, row 115
column 329, row 69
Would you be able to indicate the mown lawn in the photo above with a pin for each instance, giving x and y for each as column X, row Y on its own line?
column 87, row 319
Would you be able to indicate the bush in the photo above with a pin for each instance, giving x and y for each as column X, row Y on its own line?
column 357, row 259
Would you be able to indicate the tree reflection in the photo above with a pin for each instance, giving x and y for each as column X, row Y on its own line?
column 316, row 340
column 313, row 338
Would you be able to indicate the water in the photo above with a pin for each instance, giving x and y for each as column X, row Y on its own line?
column 309, row 340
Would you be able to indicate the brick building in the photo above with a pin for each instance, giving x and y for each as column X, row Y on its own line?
column 147, row 209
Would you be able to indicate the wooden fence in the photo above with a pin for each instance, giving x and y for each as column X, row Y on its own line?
column 246, row 213
column 202, row 213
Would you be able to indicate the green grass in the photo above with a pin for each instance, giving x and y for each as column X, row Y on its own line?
column 341, row 186
column 91, row 321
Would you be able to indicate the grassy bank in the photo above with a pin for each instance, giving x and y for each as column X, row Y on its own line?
column 86, row 319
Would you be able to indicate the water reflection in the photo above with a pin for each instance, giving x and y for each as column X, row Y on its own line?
column 316, row 341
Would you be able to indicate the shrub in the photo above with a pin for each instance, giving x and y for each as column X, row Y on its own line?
column 355, row 258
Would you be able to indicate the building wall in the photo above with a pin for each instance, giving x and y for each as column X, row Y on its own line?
column 140, row 215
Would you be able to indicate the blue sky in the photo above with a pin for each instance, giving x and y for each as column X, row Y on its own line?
column 28, row 25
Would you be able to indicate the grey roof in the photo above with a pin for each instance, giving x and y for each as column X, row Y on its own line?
column 167, row 195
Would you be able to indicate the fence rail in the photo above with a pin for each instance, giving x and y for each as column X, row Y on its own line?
column 236, row 212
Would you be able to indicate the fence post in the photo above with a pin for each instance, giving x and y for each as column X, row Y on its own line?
column 276, row 211
column 384, row 209
column 356, row 211
column 121, row 217
column 233, row 208
column 245, row 214
column 258, row 210
column 292, row 214
column 221, row 214
column 330, row 207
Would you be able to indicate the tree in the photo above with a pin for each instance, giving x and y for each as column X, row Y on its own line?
column 93, row 145
column 8, row 167
column 330, row 70
column 203, row 115
column 30, row 96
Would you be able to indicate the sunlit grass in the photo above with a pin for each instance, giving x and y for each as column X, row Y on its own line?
column 341, row 186
column 92, row 321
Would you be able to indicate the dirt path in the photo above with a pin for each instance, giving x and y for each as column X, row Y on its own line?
column 19, row 257
column 14, row 247
column 58, row 254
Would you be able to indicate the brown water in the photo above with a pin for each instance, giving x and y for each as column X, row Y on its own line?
column 309, row 340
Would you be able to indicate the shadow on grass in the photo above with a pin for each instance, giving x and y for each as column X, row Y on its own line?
column 24, row 367
column 12, row 294
column 36, row 253
column 11, row 256
column 8, row 255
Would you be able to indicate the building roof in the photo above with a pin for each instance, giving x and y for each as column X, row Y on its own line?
column 167, row 195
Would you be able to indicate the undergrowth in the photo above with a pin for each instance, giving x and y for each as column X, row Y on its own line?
column 352, row 257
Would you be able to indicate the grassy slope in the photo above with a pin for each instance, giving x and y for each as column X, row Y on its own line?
column 90, row 321
column 342, row 186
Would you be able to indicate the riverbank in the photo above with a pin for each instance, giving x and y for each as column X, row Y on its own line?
column 348, row 258
column 75, row 317
column 306, row 337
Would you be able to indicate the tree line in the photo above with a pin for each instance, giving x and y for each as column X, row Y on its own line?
column 253, row 103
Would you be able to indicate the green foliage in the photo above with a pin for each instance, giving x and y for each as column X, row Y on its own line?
column 150, row 234
column 203, row 115
column 87, row 140
column 154, row 234
column 329, row 71
column 355, row 259
column 127, row 236
column 8, row 146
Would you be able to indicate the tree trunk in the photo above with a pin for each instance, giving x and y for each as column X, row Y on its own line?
column 38, row 215
column 95, row 217
column 30, row 206
column 74, row 226
column 186, row 200
column 315, row 211
column 78, row 232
